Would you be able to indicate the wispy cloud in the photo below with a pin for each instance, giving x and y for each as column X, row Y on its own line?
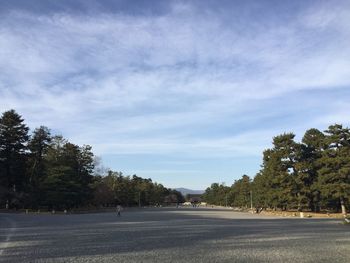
column 189, row 80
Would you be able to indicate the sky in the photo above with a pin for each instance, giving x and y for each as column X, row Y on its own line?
column 187, row 93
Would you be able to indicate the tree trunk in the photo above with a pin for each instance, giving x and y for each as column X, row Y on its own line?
column 342, row 205
column 299, row 202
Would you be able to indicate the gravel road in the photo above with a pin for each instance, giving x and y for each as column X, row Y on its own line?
column 171, row 235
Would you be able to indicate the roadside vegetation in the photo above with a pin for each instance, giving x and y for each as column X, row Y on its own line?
column 40, row 170
column 311, row 175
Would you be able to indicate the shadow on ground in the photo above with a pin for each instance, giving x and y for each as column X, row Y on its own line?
column 170, row 235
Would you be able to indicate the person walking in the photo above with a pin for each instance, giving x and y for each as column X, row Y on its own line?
column 119, row 209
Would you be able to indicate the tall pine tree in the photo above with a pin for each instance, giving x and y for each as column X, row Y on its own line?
column 37, row 166
column 281, row 171
column 334, row 175
column 13, row 146
column 307, row 166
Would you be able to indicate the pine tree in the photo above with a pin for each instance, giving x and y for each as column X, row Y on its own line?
column 241, row 190
column 334, row 175
column 279, row 170
column 37, row 165
column 268, row 185
column 260, row 188
column 307, row 166
column 69, row 174
column 13, row 146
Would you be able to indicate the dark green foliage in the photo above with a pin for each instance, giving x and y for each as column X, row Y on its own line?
column 51, row 172
column 44, row 170
column 13, row 145
column 334, row 174
column 69, row 174
column 237, row 195
column 37, row 164
column 307, row 175
column 307, row 167
column 275, row 184
column 115, row 189
column 260, row 189
column 283, row 159
column 311, row 175
column 240, row 192
column 217, row 194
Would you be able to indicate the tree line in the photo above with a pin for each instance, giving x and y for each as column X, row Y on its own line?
column 310, row 175
column 43, row 170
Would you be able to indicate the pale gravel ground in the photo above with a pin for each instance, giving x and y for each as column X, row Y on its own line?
column 171, row 235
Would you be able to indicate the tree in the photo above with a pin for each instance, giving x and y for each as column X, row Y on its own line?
column 240, row 191
column 307, row 167
column 37, row 167
column 103, row 193
column 260, row 188
column 217, row 194
column 265, row 188
column 69, row 176
column 13, row 146
column 334, row 174
column 85, row 171
column 279, row 171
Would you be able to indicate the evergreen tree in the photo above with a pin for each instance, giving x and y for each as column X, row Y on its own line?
column 334, row 174
column 69, row 179
column 37, row 166
column 241, row 191
column 278, row 170
column 265, row 187
column 285, row 149
column 217, row 194
column 115, row 189
column 307, row 166
column 260, row 189
column 85, row 158
column 13, row 146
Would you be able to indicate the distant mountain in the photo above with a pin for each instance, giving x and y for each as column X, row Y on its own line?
column 185, row 191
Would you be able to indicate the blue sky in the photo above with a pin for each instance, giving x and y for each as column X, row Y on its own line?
column 185, row 92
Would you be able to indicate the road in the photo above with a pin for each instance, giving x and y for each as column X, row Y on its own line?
column 171, row 235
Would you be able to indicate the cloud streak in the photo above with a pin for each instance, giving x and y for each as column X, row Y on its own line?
column 185, row 80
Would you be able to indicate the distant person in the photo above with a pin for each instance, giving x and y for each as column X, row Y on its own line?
column 119, row 209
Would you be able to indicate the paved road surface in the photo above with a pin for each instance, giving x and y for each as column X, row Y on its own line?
column 171, row 235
